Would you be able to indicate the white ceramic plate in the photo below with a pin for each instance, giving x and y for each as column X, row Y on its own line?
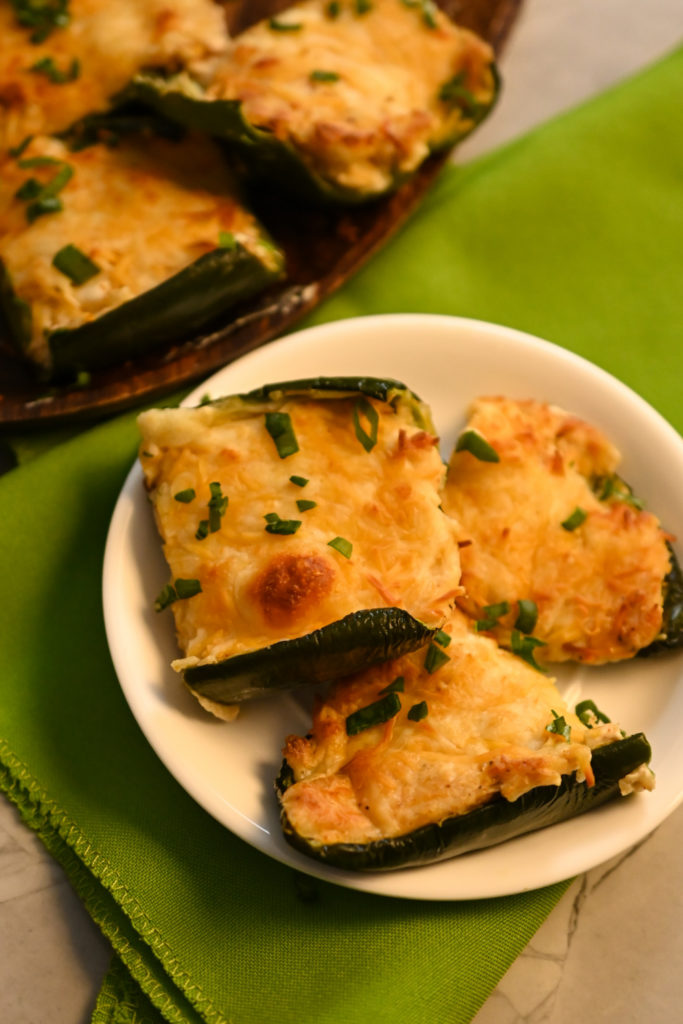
column 229, row 768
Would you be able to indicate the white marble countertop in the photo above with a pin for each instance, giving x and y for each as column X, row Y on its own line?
column 608, row 952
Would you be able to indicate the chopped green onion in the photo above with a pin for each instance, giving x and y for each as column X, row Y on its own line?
column 279, row 426
column 492, row 612
column 226, row 240
column 185, row 496
column 377, row 713
column 523, row 647
column 281, row 526
column 343, row 546
column 16, row 151
column 559, row 726
column 429, row 13
column 333, row 9
column 574, row 520
column 398, row 686
column 476, row 444
column 363, row 6
column 442, row 638
column 284, row 26
column 418, row 711
column 589, row 713
column 606, row 487
column 363, row 407
column 455, row 93
column 30, row 189
column 187, row 588
column 324, row 76
column 50, row 204
column 46, row 66
column 43, row 17
column 527, row 616
column 74, row 264
column 202, row 529
column 38, row 161
column 300, row 481
column 435, row 658
column 218, row 503
column 304, row 505
column 178, row 591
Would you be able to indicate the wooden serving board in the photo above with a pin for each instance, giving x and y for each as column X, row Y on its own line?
column 323, row 248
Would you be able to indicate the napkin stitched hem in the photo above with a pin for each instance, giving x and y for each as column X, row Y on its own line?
column 89, row 873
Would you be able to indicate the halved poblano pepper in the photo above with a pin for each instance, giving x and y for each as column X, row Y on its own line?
column 316, row 102
column 286, row 509
column 446, row 751
column 492, row 823
column 114, row 249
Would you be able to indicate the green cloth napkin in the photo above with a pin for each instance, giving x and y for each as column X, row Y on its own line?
column 573, row 233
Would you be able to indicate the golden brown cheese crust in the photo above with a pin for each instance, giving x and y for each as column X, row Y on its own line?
column 357, row 94
column 110, row 42
column 142, row 210
column 598, row 587
column 259, row 587
column 485, row 733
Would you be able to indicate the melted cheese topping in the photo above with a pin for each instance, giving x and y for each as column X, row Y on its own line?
column 111, row 42
column 598, row 588
column 485, row 733
column 380, row 115
column 259, row 587
column 141, row 210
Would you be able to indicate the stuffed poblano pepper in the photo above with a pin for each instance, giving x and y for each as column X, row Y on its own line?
column 338, row 101
column 450, row 749
column 303, row 532
column 61, row 60
column 563, row 559
column 117, row 248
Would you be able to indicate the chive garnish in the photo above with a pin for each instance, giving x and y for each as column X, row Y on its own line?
column 177, row 591
column 442, row 638
column 279, row 426
column 527, row 616
column 362, row 407
column 455, row 93
column 398, row 686
column 299, row 481
column 476, row 444
column 574, row 520
column 284, row 26
column 218, row 502
column 343, row 546
column 324, row 76
column 429, row 13
column 16, row 151
column 304, row 505
column 606, row 487
column 559, row 726
column 589, row 713
column 185, row 496
column 42, row 17
column 43, row 205
column 281, row 526
column 363, row 6
column 226, row 240
column 30, row 189
column 523, row 647
column 492, row 612
column 74, row 264
column 374, row 714
column 46, row 66
column 202, row 530
column 187, row 588
column 418, row 711
column 435, row 658
column 333, row 9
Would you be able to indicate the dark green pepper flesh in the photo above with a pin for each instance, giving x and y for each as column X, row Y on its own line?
column 339, row 649
column 488, row 825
